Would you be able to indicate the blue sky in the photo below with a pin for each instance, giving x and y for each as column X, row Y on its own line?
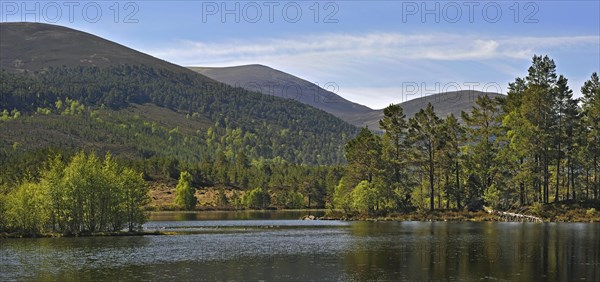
column 376, row 52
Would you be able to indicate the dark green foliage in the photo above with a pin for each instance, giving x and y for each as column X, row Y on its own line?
column 427, row 137
column 535, row 145
column 278, row 127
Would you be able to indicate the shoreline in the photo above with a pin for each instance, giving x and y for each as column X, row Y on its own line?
column 549, row 215
column 94, row 234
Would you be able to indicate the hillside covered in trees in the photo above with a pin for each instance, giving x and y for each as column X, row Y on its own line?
column 157, row 119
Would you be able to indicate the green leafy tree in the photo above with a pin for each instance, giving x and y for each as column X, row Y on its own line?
column 184, row 192
column 364, row 198
column 27, row 209
column 84, row 196
column 257, row 198
column 135, row 197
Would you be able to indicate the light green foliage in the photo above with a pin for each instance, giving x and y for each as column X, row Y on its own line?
column 86, row 195
column 6, row 115
column 342, row 197
column 15, row 114
column 257, row 198
column 43, row 111
column 184, row 192
column 71, row 107
column 27, row 208
column 364, row 198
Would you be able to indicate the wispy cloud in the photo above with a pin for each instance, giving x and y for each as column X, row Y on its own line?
column 391, row 46
column 372, row 68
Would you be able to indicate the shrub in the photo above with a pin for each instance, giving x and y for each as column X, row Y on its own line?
column 257, row 198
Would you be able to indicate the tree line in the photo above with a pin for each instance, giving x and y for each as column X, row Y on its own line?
column 538, row 144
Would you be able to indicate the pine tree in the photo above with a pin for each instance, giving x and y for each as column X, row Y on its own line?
column 425, row 134
column 454, row 135
column 395, row 155
column 591, row 120
column 364, row 157
column 484, row 126
column 565, row 112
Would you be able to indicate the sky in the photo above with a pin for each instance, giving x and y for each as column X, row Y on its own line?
column 371, row 52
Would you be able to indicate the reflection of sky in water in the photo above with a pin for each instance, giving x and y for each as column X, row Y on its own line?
column 255, row 224
column 314, row 250
column 267, row 238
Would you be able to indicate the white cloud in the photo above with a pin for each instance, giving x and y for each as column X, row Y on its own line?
column 384, row 45
column 370, row 68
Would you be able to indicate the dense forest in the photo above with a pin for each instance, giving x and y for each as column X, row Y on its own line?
column 536, row 145
column 270, row 126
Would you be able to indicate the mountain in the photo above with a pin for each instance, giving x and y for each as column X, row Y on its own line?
column 36, row 46
column 444, row 104
column 277, row 83
column 63, row 89
column 274, row 82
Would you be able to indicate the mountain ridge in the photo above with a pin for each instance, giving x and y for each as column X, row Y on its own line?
column 28, row 46
column 270, row 81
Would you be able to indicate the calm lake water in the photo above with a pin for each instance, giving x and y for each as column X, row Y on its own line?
column 275, row 246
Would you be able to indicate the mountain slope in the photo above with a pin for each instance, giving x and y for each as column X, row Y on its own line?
column 118, row 78
column 277, row 83
column 35, row 46
column 270, row 81
column 444, row 104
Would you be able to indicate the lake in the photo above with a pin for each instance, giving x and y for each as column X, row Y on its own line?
column 275, row 246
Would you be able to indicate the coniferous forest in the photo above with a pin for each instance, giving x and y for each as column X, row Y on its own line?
column 534, row 146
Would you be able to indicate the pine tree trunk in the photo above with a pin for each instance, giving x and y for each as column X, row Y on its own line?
column 587, row 183
column 458, row 204
column 431, row 179
column 573, row 183
column 557, row 175
column 568, row 177
column 521, row 188
column 595, row 177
